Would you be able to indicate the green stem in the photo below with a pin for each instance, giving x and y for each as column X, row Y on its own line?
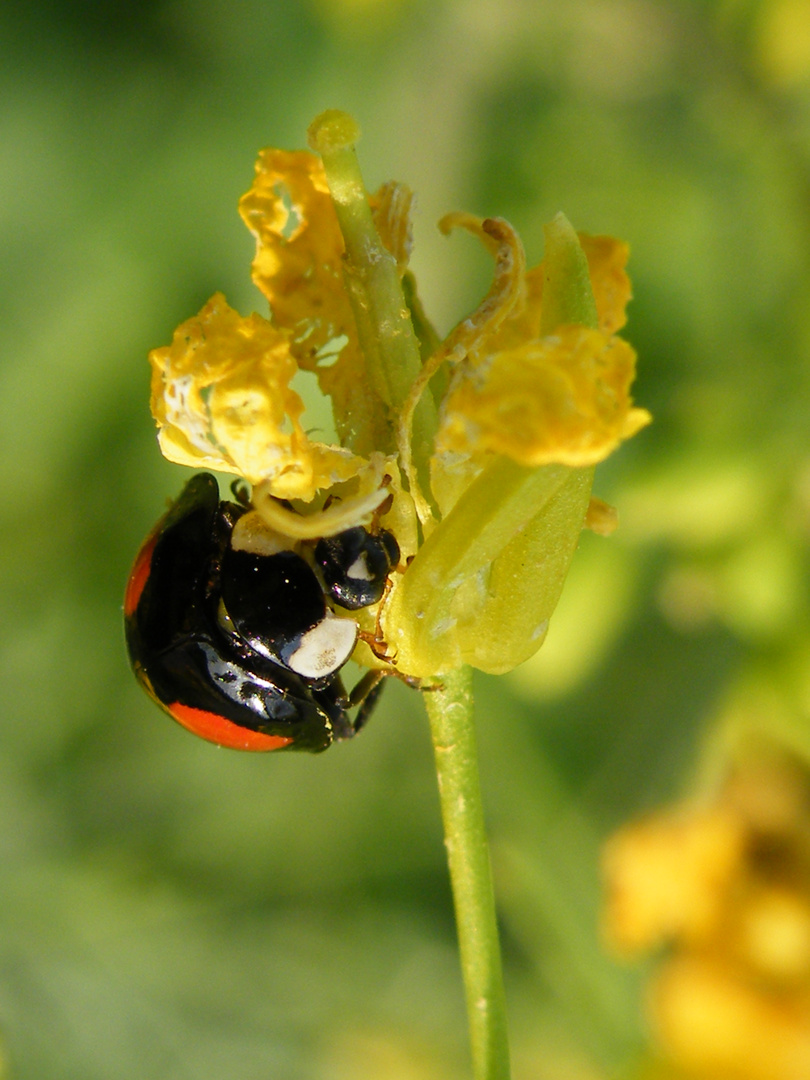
column 389, row 345
column 450, row 710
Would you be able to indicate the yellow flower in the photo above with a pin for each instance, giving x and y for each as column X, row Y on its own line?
column 725, row 886
column 476, row 452
column 222, row 398
column 556, row 396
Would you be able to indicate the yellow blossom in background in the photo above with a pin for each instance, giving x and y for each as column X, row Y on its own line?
column 725, row 886
column 477, row 452
column 668, row 877
column 782, row 42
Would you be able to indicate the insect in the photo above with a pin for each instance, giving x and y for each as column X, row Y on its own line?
column 234, row 634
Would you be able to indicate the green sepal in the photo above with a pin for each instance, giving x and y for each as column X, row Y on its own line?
column 485, row 583
column 567, row 293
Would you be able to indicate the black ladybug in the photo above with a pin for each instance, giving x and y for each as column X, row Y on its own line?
column 232, row 634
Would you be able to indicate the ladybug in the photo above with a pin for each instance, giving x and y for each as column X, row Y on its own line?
column 234, row 635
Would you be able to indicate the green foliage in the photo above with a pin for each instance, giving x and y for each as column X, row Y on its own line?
column 170, row 910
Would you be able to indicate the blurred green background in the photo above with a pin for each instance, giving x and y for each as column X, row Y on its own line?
column 169, row 910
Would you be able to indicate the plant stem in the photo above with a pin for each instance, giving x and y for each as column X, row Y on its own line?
column 385, row 332
column 450, row 710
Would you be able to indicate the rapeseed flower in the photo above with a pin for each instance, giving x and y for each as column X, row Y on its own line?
column 477, row 452
column 723, row 883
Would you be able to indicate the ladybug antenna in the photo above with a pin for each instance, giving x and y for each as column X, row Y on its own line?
column 240, row 491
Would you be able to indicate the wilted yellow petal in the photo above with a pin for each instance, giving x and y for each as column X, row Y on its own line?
column 565, row 399
column 468, row 342
column 299, row 248
column 222, row 399
column 607, row 259
column 539, row 399
column 299, row 267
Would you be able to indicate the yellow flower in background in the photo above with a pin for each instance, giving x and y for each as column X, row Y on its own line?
column 476, row 452
column 781, row 42
column 725, row 886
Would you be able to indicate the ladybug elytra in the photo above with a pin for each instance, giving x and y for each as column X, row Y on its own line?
column 234, row 635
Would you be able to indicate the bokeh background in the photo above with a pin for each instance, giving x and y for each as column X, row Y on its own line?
column 169, row 910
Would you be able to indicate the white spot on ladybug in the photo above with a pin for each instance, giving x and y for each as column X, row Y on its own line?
column 324, row 648
column 359, row 570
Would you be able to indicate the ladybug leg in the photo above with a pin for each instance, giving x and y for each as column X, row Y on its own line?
column 377, row 646
column 366, row 694
column 376, row 642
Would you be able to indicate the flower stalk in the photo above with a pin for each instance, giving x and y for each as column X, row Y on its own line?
column 476, row 453
column 450, row 710
column 393, row 361
column 385, row 332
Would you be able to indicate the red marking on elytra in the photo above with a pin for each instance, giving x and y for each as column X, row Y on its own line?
column 139, row 576
column 223, row 732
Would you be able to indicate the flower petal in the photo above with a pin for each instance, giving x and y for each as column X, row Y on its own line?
column 299, row 248
column 222, row 399
column 607, row 259
column 611, row 290
column 299, row 266
column 564, row 398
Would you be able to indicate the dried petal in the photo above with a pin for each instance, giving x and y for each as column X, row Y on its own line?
column 222, row 399
column 607, row 259
column 611, row 290
column 300, row 269
column 299, row 249
column 564, row 398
